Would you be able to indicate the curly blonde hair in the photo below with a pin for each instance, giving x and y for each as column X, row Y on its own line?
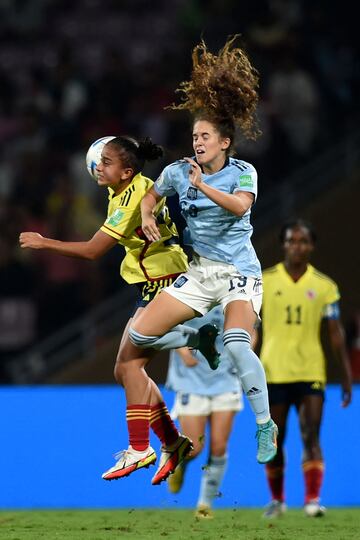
column 223, row 89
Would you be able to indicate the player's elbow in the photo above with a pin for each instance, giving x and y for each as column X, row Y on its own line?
column 90, row 253
column 240, row 210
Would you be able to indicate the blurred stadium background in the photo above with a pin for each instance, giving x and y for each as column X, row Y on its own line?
column 74, row 71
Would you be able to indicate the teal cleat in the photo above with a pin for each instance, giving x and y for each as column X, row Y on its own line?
column 207, row 337
column 274, row 509
column 266, row 438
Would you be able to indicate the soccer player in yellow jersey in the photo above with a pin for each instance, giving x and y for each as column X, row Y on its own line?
column 148, row 265
column 297, row 297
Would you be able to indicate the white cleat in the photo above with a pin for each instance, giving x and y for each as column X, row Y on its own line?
column 171, row 457
column 129, row 461
column 314, row 509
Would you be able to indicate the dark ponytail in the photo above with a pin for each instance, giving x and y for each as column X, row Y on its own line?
column 149, row 151
column 133, row 154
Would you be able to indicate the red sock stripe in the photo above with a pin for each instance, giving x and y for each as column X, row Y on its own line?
column 138, row 422
column 163, row 425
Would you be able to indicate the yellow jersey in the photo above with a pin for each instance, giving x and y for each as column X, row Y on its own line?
column 144, row 260
column 292, row 313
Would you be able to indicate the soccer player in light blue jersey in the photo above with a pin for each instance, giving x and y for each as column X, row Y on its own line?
column 204, row 397
column 216, row 196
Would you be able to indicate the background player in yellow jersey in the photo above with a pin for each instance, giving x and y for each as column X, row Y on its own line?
column 297, row 297
column 148, row 265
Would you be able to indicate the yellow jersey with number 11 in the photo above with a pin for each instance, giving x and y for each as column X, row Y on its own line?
column 291, row 321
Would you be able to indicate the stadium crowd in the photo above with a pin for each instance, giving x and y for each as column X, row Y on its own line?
column 73, row 72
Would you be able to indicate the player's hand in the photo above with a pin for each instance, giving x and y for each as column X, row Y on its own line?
column 187, row 357
column 31, row 240
column 151, row 229
column 190, row 361
column 194, row 172
column 346, row 396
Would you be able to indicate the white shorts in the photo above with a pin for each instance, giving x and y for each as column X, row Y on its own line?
column 209, row 283
column 196, row 405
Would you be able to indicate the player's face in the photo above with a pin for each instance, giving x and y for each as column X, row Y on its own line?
column 111, row 171
column 210, row 148
column 298, row 245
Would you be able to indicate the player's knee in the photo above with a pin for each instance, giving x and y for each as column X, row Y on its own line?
column 237, row 343
column 310, row 437
column 118, row 373
column 198, row 446
column 140, row 340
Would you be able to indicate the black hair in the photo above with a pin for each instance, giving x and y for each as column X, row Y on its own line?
column 296, row 224
column 134, row 153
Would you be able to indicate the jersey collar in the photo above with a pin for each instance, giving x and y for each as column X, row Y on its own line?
column 227, row 162
column 305, row 276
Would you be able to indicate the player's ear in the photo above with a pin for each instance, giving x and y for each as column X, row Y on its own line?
column 225, row 143
column 127, row 173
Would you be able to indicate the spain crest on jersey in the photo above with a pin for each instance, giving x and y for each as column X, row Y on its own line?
column 192, row 193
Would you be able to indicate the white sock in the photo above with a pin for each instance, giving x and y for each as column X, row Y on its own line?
column 211, row 479
column 250, row 371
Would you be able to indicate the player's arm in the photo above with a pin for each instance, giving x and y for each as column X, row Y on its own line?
column 186, row 356
column 237, row 203
column 148, row 218
column 92, row 249
column 338, row 344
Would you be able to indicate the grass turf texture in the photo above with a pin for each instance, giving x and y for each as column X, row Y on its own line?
column 338, row 524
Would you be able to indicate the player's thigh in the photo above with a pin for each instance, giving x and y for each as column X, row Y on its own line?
column 162, row 314
column 194, row 427
column 240, row 314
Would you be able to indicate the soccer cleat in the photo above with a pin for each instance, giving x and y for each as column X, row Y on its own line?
column 314, row 509
column 274, row 509
column 129, row 461
column 207, row 337
column 175, row 480
column 203, row 512
column 267, row 441
column 171, row 457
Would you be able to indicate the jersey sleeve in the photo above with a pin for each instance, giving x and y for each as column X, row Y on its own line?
column 331, row 309
column 247, row 181
column 124, row 219
column 164, row 185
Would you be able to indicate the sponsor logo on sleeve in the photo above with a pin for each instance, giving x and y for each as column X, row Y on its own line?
column 115, row 218
column 246, row 181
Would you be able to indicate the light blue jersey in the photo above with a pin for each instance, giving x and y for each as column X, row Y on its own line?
column 216, row 233
column 201, row 379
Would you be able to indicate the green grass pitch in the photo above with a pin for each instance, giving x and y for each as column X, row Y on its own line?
column 133, row 524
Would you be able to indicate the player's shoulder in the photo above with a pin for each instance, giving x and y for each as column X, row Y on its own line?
column 240, row 165
column 134, row 191
column 179, row 164
column 175, row 170
column 271, row 271
column 321, row 277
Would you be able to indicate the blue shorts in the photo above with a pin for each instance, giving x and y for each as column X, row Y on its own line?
column 293, row 393
column 148, row 290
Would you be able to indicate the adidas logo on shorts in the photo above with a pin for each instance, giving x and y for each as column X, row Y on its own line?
column 253, row 391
